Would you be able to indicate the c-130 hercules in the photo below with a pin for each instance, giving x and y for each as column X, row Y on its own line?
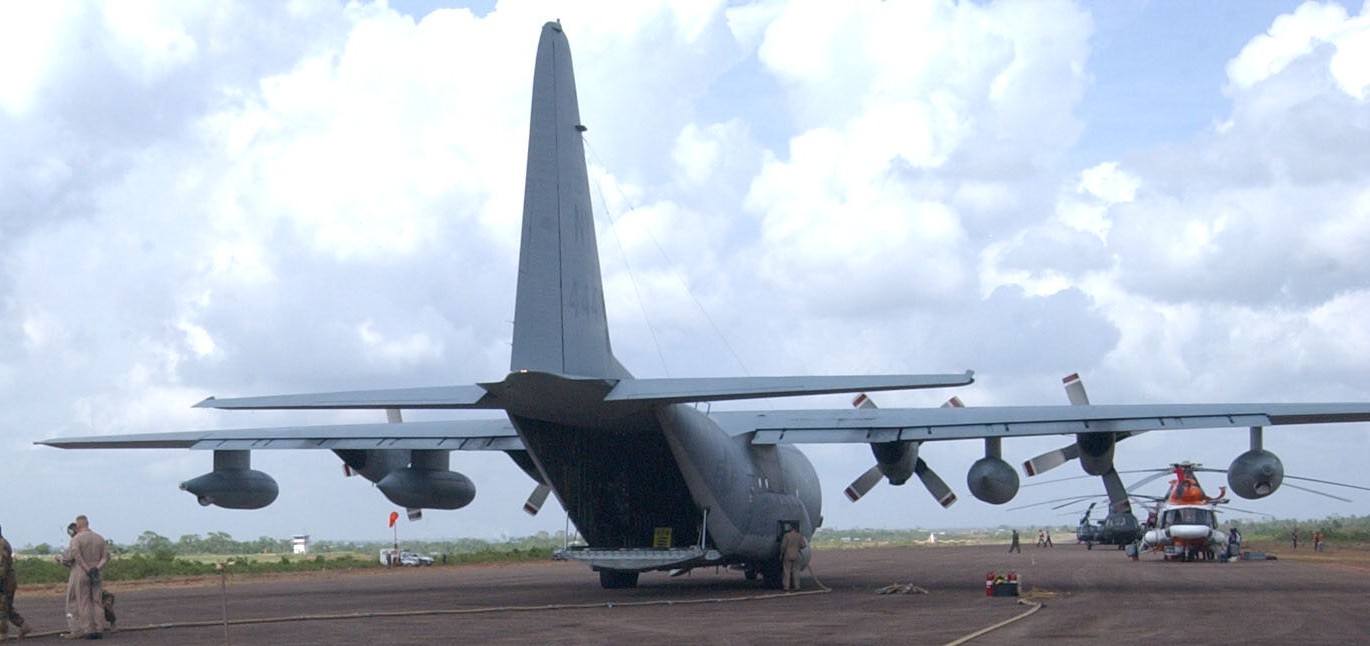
column 650, row 481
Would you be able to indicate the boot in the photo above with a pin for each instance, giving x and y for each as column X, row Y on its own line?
column 24, row 631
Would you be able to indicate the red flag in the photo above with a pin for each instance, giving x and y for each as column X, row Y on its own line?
column 394, row 516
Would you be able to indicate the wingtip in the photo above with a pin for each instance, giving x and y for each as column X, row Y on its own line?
column 205, row 403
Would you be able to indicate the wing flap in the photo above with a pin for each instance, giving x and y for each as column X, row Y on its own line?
column 455, row 435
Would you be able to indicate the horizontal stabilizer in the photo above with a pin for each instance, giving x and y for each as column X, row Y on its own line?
column 706, row 389
column 436, row 397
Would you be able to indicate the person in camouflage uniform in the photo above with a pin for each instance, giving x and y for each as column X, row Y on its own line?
column 9, row 584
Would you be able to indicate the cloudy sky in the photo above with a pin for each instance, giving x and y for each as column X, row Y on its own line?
column 196, row 199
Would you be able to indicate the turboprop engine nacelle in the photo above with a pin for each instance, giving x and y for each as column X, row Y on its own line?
column 233, row 484
column 896, row 460
column 1096, row 452
column 1255, row 474
column 992, row 480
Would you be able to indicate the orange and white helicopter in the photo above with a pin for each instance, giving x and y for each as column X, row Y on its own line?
column 1184, row 525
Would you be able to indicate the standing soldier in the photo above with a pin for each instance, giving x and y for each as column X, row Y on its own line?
column 1014, row 546
column 106, row 597
column 791, row 545
column 87, row 555
column 9, row 585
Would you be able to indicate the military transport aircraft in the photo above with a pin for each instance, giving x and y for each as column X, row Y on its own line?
column 650, row 481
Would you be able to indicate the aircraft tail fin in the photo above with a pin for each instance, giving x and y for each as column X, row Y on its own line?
column 559, row 320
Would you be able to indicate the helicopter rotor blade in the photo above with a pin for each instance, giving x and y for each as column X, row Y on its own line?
column 1311, row 490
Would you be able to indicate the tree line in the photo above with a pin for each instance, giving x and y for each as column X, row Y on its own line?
column 153, row 545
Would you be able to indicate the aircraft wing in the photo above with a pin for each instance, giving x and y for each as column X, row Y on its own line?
column 433, row 397
column 865, row 425
column 457, row 435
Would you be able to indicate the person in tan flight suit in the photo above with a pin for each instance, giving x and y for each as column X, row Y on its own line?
column 790, row 546
column 86, row 555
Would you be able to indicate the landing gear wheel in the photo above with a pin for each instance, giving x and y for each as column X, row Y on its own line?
column 770, row 575
column 613, row 580
column 749, row 573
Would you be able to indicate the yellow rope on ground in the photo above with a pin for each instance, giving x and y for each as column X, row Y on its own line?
column 990, row 629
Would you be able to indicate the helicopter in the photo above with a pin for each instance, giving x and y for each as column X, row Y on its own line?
column 1118, row 528
column 1184, row 525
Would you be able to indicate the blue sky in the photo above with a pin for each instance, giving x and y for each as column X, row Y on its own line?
column 232, row 199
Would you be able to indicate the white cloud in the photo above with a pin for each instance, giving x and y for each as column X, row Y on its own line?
column 1297, row 35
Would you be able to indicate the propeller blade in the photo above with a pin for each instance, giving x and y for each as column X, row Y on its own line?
column 535, row 499
column 863, row 484
column 1117, row 493
column 1050, row 460
column 1075, row 390
column 939, row 489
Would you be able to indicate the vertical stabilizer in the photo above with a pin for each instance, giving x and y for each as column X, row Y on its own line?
column 559, row 321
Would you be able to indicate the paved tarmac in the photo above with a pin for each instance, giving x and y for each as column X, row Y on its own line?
column 1088, row 597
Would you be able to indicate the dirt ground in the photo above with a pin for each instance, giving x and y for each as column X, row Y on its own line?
column 1085, row 596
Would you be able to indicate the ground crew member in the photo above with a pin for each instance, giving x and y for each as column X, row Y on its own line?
column 1014, row 546
column 791, row 545
column 86, row 555
column 9, row 585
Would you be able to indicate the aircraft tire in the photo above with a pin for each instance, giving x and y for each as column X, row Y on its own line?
column 614, row 580
column 770, row 575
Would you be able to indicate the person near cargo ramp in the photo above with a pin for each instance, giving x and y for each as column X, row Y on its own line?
column 791, row 545
column 9, row 585
column 87, row 556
